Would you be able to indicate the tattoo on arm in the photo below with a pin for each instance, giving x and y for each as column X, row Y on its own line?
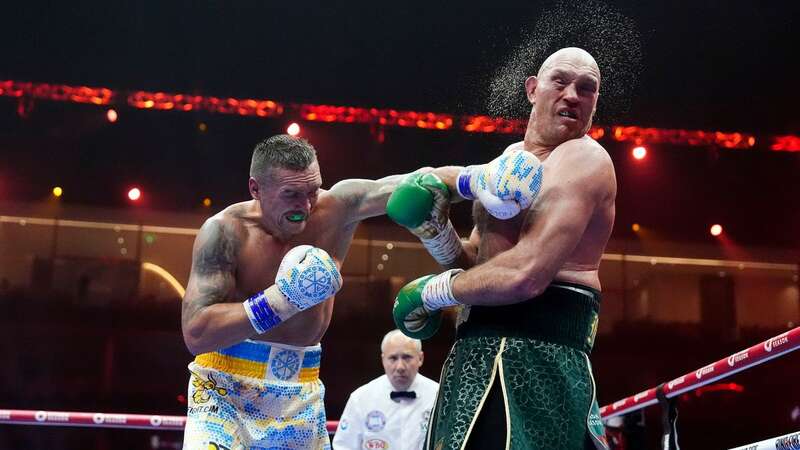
column 218, row 252
column 213, row 268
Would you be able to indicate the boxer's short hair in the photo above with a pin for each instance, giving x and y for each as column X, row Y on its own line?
column 281, row 151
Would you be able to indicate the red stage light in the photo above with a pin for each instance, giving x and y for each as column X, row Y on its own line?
column 134, row 194
column 716, row 229
column 293, row 129
column 639, row 152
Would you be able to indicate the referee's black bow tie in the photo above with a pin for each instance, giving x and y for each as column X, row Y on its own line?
column 402, row 394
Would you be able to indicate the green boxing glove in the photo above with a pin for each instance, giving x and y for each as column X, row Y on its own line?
column 411, row 202
column 421, row 203
column 417, row 307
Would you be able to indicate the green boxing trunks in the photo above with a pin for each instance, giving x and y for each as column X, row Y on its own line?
column 519, row 377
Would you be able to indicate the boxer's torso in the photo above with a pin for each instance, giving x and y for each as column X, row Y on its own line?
column 581, row 266
column 260, row 255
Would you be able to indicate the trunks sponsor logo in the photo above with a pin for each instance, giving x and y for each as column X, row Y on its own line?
column 204, row 388
column 738, row 357
column 286, row 363
column 639, row 396
column 676, row 382
column 204, row 409
column 704, row 371
column 375, row 444
column 592, row 330
column 791, row 442
column 776, row 342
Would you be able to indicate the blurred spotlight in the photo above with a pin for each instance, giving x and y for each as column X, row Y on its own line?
column 716, row 230
column 293, row 129
column 639, row 152
column 57, row 191
column 206, row 202
column 635, row 227
column 202, row 127
column 134, row 194
column 111, row 115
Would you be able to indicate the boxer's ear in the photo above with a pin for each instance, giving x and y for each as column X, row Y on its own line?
column 530, row 87
column 254, row 188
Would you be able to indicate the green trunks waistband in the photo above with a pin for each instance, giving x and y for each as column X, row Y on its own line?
column 565, row 313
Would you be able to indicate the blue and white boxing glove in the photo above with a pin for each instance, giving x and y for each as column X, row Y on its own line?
column 306, row 277
column 505, row 186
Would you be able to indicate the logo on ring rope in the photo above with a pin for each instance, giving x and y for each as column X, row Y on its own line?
column 676, row 382
column 704, row 371
column 738, row 357
column 776, row 342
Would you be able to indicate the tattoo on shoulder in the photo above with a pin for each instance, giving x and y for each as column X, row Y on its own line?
column 218, row 251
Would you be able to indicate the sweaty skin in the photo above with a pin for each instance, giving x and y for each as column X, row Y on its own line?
column 563, row 235
column 238, row 251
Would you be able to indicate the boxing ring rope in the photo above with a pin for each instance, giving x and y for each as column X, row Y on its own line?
column 745, row 359
column 758, row 354
column 771, row 348
column 103, row 420
column 789, row 441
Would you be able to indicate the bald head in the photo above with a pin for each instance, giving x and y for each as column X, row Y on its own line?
column 401, row 357
column 563, row 97
column 397, row 337
column 573, row 56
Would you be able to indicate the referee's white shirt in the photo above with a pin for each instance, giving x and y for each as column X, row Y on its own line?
column 372, row 420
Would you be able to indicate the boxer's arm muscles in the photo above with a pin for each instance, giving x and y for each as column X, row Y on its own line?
column 562, row 214
column 208, row 322
column 366, row 198
column 449, row 176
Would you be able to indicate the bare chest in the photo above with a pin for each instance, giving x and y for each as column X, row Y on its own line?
column 260, row 254
column 497, row 235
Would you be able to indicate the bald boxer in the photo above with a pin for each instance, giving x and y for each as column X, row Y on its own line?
column 519, row 376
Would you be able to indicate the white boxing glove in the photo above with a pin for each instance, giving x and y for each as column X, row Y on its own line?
column 505, row 186
column 306, row 277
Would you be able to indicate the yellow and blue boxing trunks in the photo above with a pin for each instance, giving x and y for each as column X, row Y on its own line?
column 256, row 395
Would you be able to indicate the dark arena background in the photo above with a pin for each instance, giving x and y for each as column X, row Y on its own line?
column 698, row 110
